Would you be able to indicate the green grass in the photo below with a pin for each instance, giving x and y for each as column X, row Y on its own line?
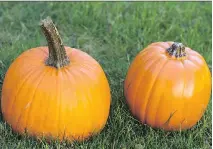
column 113, row 33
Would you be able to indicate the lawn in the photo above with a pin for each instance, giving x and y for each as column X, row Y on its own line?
column 113, row 33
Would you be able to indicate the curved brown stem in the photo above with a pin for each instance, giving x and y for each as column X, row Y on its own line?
column 57, row 54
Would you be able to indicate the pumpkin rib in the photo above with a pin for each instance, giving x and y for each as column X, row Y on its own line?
column 158, row 107
column 140, row 82
column 161, row 95
column 86, row 100
column 22, row 111
column 59, row 84
column 102, row 119
column 25, row 107
column 82, row 72
column 35, row 90
column 58, row 105
column 66, row 107
column 51, row 73
column 62, row 105
column 139, row 65
column 87, row 93
column 40, row 125
column 136, row 73
column 33, row 99
column 76, row 63
column 70, row 72
column 188, row 114
column 68, row 79
column 78, row 75
column 87, row 68
column 138, row 109
column 185, row 103
column 184, row 82
column 193, row 64
column 194, row 53
column 20, row 87
column 85, row 64
column 203, row 78
column 159, row 102
column 127, row 84
column 166, row 124
column 5, row 102
column 65, row 76
column 193, row 59
column 151, row 88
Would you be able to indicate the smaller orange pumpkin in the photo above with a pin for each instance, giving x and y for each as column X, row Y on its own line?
column 168, row 86
column 55, row 91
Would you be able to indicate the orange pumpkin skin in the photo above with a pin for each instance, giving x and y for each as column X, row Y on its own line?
column 168, row 92
column 71, row 102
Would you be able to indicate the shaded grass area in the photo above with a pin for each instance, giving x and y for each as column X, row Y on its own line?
column 113, row 33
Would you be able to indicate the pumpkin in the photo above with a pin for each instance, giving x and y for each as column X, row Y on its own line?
column 168, row 86
column 55, row 92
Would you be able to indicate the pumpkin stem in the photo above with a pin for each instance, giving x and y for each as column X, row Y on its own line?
column 177, row 50
column 57, row 54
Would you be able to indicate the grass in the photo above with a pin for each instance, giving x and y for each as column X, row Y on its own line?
column 113, row 33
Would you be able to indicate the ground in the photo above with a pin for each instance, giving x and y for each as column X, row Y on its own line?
column 113, row 33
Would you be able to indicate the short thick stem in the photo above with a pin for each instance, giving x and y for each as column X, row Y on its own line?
column 177, row 50
column 57, row 54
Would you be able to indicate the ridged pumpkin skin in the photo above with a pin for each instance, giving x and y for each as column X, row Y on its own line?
column 68, row 103
column 168, row 92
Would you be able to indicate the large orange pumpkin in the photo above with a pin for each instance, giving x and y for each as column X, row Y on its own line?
column 168, row 86
column 55, row 91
